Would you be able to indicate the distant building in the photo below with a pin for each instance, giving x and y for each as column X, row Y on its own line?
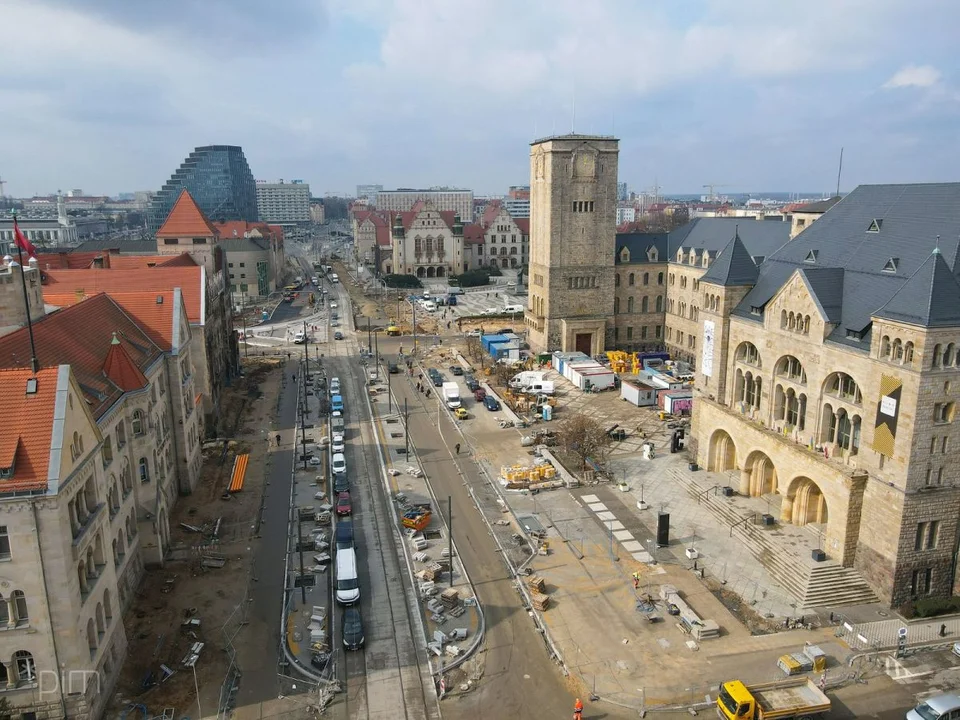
column 13, row 312
column 220, row 182
column 626, row 214
column 318, row 214
column 803, row 216
column 283, row 203
column 254, row 258
column 503, row 239
column 459, row 202
column 623, row 193
column 518, row 207
column 187, row 230
column 59, row 231
column 369, row 192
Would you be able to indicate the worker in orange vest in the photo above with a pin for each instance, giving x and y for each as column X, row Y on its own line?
column 577, row 709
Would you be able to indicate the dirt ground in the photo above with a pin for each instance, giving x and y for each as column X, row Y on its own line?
column 182, row 589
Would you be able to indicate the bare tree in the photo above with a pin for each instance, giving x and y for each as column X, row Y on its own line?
column 474, row 349
column 583, row 437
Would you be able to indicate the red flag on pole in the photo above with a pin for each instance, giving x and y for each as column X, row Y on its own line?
column 21, row 241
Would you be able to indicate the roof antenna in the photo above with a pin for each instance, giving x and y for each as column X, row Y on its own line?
column 936, row 249
column 839, row 171
column 573, row 118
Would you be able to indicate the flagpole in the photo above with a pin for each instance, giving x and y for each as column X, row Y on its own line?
column 34, row 365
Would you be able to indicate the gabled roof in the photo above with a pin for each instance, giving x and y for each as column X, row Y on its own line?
column 473, row 233
column 155, row 312
column 818, row 206
column 929, row 298
column 523, row 224
column 72, row 260
column 186, row 219
column 826, row 289
column 28, row 427
column 638, row 243
column 79, row 284
column 240, row 228
column 493, row 209
column 734, row 266
column 121, row 369
column 760, row 238
column 917, row 218
column 81, row 336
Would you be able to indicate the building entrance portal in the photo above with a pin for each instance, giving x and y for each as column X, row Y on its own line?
column 584, row 343
column 804, row 504
column 759, row 476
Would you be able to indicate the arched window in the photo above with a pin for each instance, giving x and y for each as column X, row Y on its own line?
column 107, row 606
column 789, row 367
column 22, row 617
column 885, row 346
column 660, row 279
column 616, row 305
column 747, row 353
column 644, row 304
column 25, row 667
column 630, row 304
column 908, row 353
column 631, row 280
column 844, row 387
column 91, row 637
column 144, row 470
column 806, row 324
column 937, row 355
column 659, row 303
column 897, row 350
column 646, row 278
column 616, row 280
column 948, row 357
column 137, row 422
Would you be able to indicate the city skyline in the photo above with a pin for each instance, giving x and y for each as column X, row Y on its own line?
column 740, row 94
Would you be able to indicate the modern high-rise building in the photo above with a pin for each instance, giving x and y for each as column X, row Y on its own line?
column 284, row 203
column 369, row 192
column 517, row 201
column 220, row 182
column 443, row 199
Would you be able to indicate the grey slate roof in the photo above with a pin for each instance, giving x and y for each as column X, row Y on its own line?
column 930, row 298
column 760, row 238
column 242, row 244
column 826, row 288
column 733, row 266
column 913, row 216
column 637, row 244
column 124, row 247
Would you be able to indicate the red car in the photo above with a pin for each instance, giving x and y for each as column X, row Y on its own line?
column 479, row 394
column 343, row 503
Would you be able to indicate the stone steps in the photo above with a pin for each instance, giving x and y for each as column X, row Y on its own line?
column 812, row 585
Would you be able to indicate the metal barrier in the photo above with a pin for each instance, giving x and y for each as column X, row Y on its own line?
column 230, row 629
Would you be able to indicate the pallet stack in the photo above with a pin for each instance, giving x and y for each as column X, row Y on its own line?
column 450, row 598
column 540, row 601
column 537, row 584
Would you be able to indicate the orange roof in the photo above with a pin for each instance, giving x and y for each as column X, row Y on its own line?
column 490, row 214
column 128, row 262
column 153, row 311
column 63, row 283
column 74, row 260
column 186, row 219
column 473, row 233
column 523, row 224
column 28, row 419
column 121, row 369
column 81, row 336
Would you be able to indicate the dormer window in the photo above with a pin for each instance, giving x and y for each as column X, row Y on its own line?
column 811, row 257
column 854, row 335
column 755, row 310
column 706, row 260
column 680, row 255
column 624, row 255
column 693, row 257
column 891, row 265
column 875, row 225
column 652, row 254
column 6, row 473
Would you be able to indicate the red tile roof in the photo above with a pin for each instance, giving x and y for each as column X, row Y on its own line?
column 490, row 214
column 81, row 336
column 186, row 219
column 86, row 283
column 28, row 422
column 523, row 224
column 473, row 233
column 73, row 260
column 154, row 318
column 129, row 262
column 121, row 369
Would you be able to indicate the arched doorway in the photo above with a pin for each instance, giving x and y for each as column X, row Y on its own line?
column 804, row 503
column 723, row 452
column 758, row 476
column 440, row 271
column 430, row 272
column 421, row 272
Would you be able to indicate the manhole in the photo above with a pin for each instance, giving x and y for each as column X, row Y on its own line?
column 396, row 435
column 881, row 613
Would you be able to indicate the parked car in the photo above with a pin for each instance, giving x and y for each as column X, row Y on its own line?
column 491, row 403
column 352, row 629
column 343, row 503
column 435, row 377
column 340, row 483
column 333, row 306
column 393, row 368
column 474, row 333
column 490, row 311
column 339, row 464
column 472, row 383
column 338, row 335
column 335, row 386
column 338, row 444
column 461, row 413
column 456, row 370
column 479, row 394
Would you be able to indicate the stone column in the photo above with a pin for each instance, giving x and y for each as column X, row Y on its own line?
column 11, row 675
column 745, row 481
column 786, row 509
column 11, row 613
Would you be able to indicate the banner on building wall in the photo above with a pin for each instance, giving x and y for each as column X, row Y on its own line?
column 888, row 410
column 706, row 362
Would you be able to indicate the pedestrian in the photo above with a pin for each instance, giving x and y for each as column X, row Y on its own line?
column 457, row 448
column 943, row 629
column 419, row 387
column 428, row 392
column 278, row 439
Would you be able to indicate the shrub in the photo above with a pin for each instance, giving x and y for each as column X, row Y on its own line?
column 931, row 607
column 473, row 278
column 402, row 281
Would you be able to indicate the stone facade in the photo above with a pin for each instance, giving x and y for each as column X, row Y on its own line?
column 683, row 304
column 13, row 312
column 573, row 200
column 506, row 240
column 639, row 302
column 794, row 416
column 427, row 243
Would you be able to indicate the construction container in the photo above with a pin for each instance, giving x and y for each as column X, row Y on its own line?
column 638, row 393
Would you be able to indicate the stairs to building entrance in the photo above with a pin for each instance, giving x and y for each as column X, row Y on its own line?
column 813, row 584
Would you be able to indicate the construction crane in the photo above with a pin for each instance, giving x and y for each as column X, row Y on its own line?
column 711, row 187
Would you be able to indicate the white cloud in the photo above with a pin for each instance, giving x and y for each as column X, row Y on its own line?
column 921, row 76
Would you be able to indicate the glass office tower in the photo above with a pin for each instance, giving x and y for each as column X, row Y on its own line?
column 220, row 182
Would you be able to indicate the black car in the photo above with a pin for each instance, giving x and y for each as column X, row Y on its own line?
column 456, row 370
column 338, row 335
column 344, row 534
column 435, row 377
column 352, row 629
column 491, row 403
column 393, row 368
column 472, row 383
column 340, row 483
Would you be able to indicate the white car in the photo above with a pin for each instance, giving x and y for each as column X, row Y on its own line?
column 314, row 461
column 474, row 333
column 333, row 306
column 490, row 311
column 338, row 444
column 335, row 386
column 339, row 464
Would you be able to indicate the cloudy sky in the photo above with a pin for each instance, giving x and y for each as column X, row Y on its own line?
column 111, row 95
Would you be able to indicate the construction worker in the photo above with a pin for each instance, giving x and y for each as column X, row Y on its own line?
column 457, row 448
column 577, row 710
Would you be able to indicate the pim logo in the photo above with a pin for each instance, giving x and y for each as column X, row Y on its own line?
column 69, row 682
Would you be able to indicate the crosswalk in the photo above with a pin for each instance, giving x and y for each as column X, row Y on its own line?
column 609, row 520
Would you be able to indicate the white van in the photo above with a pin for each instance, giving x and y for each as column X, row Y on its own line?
column 299, row 338
column 348, row 583
column 938, row 707
column 430, row 306
column 513, row 309
column 339, row 464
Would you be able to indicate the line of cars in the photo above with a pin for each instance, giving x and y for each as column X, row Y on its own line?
column 479, row 394
column 347, row 578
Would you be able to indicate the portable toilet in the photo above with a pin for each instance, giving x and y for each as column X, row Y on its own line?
column 547, row 412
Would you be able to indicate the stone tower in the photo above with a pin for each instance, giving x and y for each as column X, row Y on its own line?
column 573, row 207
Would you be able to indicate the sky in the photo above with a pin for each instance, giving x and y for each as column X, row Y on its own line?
column 111, row 95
